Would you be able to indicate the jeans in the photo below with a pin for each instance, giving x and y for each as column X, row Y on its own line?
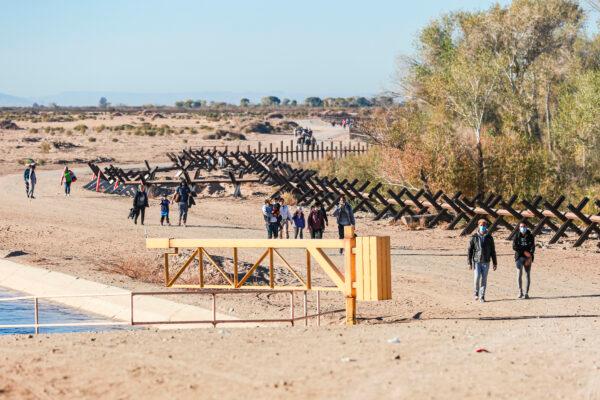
column 285, row 225
column 139, row 211
column 67, row 187
column 163, row 216
column 30, row 189
column 183, row 212
column 520, row 267
column 298, row 232
column 273, row 230
column 480, row 278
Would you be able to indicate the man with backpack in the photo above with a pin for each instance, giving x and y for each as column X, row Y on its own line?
column 182, row 196
column 524, row 247
column 140, row 203
column 482, row 250
column 30, row 180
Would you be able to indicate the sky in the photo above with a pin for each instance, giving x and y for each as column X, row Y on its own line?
column 326, row 47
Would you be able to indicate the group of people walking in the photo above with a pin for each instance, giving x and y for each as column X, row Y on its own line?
column 30, row 177
column 482, row 251
column 182, row 197
column 278, row 219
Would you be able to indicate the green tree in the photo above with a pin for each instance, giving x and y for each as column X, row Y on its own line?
column 244, row 102
column 103, row 102
column 270, row 101
column 313, row 102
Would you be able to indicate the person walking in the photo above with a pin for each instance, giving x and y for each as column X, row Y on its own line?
column 66, row 179
column 140, row 203
column 344, row 217
column 482, row 250
column 164, row 211
column 315, row 223
column 30, row 180
column 321, row 208
column 182, row 197
column 299, row 223
column 286, row 218
column 271, row 220
column 524, row 247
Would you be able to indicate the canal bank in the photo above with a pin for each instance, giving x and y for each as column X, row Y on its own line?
column 110, row 302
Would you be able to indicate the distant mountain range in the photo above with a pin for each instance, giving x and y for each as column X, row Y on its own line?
column 83, row 99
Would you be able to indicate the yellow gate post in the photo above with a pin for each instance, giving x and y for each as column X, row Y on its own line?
column 350, row 274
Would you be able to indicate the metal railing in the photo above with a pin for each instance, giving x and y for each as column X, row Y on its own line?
column 213, row 320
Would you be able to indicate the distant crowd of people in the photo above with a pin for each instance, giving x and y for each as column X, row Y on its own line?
column 278, row 219
column 305, row 136
column 345, row 123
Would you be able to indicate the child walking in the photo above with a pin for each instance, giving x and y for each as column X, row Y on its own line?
column 299, row 223
column 164, row 210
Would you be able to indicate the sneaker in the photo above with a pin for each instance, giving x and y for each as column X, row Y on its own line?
column 476, row 296
column 526, row 296
column 482, row 300
column 521, row 296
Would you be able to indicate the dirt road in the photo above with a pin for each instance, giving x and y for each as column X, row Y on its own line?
column 545, row 347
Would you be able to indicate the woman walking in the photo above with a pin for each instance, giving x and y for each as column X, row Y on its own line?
column 67, row 178
column 140, row 203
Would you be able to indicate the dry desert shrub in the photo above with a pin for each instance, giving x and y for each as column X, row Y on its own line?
column 45, row 147
column 138, row 268
column 289, row 198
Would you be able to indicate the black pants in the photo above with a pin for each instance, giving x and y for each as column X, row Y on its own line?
column 341, row 230
column 139, row 212
column 316, row 234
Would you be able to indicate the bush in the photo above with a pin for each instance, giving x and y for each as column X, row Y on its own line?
column 92, row 139
column 45, row 147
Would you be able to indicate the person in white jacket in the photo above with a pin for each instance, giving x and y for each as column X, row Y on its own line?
column 286, row 219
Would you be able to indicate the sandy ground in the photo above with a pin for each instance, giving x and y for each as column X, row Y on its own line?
column 547, row 347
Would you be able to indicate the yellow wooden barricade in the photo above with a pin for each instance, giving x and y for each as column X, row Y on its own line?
column 366, row 273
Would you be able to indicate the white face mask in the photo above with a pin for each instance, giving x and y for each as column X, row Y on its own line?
column 522, row 229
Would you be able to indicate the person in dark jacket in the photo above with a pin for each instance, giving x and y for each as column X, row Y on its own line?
column 315, row 223
column 182, row 196
column 524, row 247
column 140, row 203
column 482, row 250
column 344, row 217
column 323, row 215
column 299, row 223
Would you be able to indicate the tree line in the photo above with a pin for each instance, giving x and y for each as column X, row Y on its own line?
column 506, row 99
column 313, row 101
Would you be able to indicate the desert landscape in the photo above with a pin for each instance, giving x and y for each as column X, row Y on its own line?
column 427, row 335
column 148, row 154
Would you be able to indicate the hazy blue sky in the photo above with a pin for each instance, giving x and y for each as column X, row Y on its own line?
column 324, row 47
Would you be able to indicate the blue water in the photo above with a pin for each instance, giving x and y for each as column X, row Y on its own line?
column 21, row 312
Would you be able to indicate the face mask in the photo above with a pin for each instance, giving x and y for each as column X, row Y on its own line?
column 483, row 229
column 523, row 230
